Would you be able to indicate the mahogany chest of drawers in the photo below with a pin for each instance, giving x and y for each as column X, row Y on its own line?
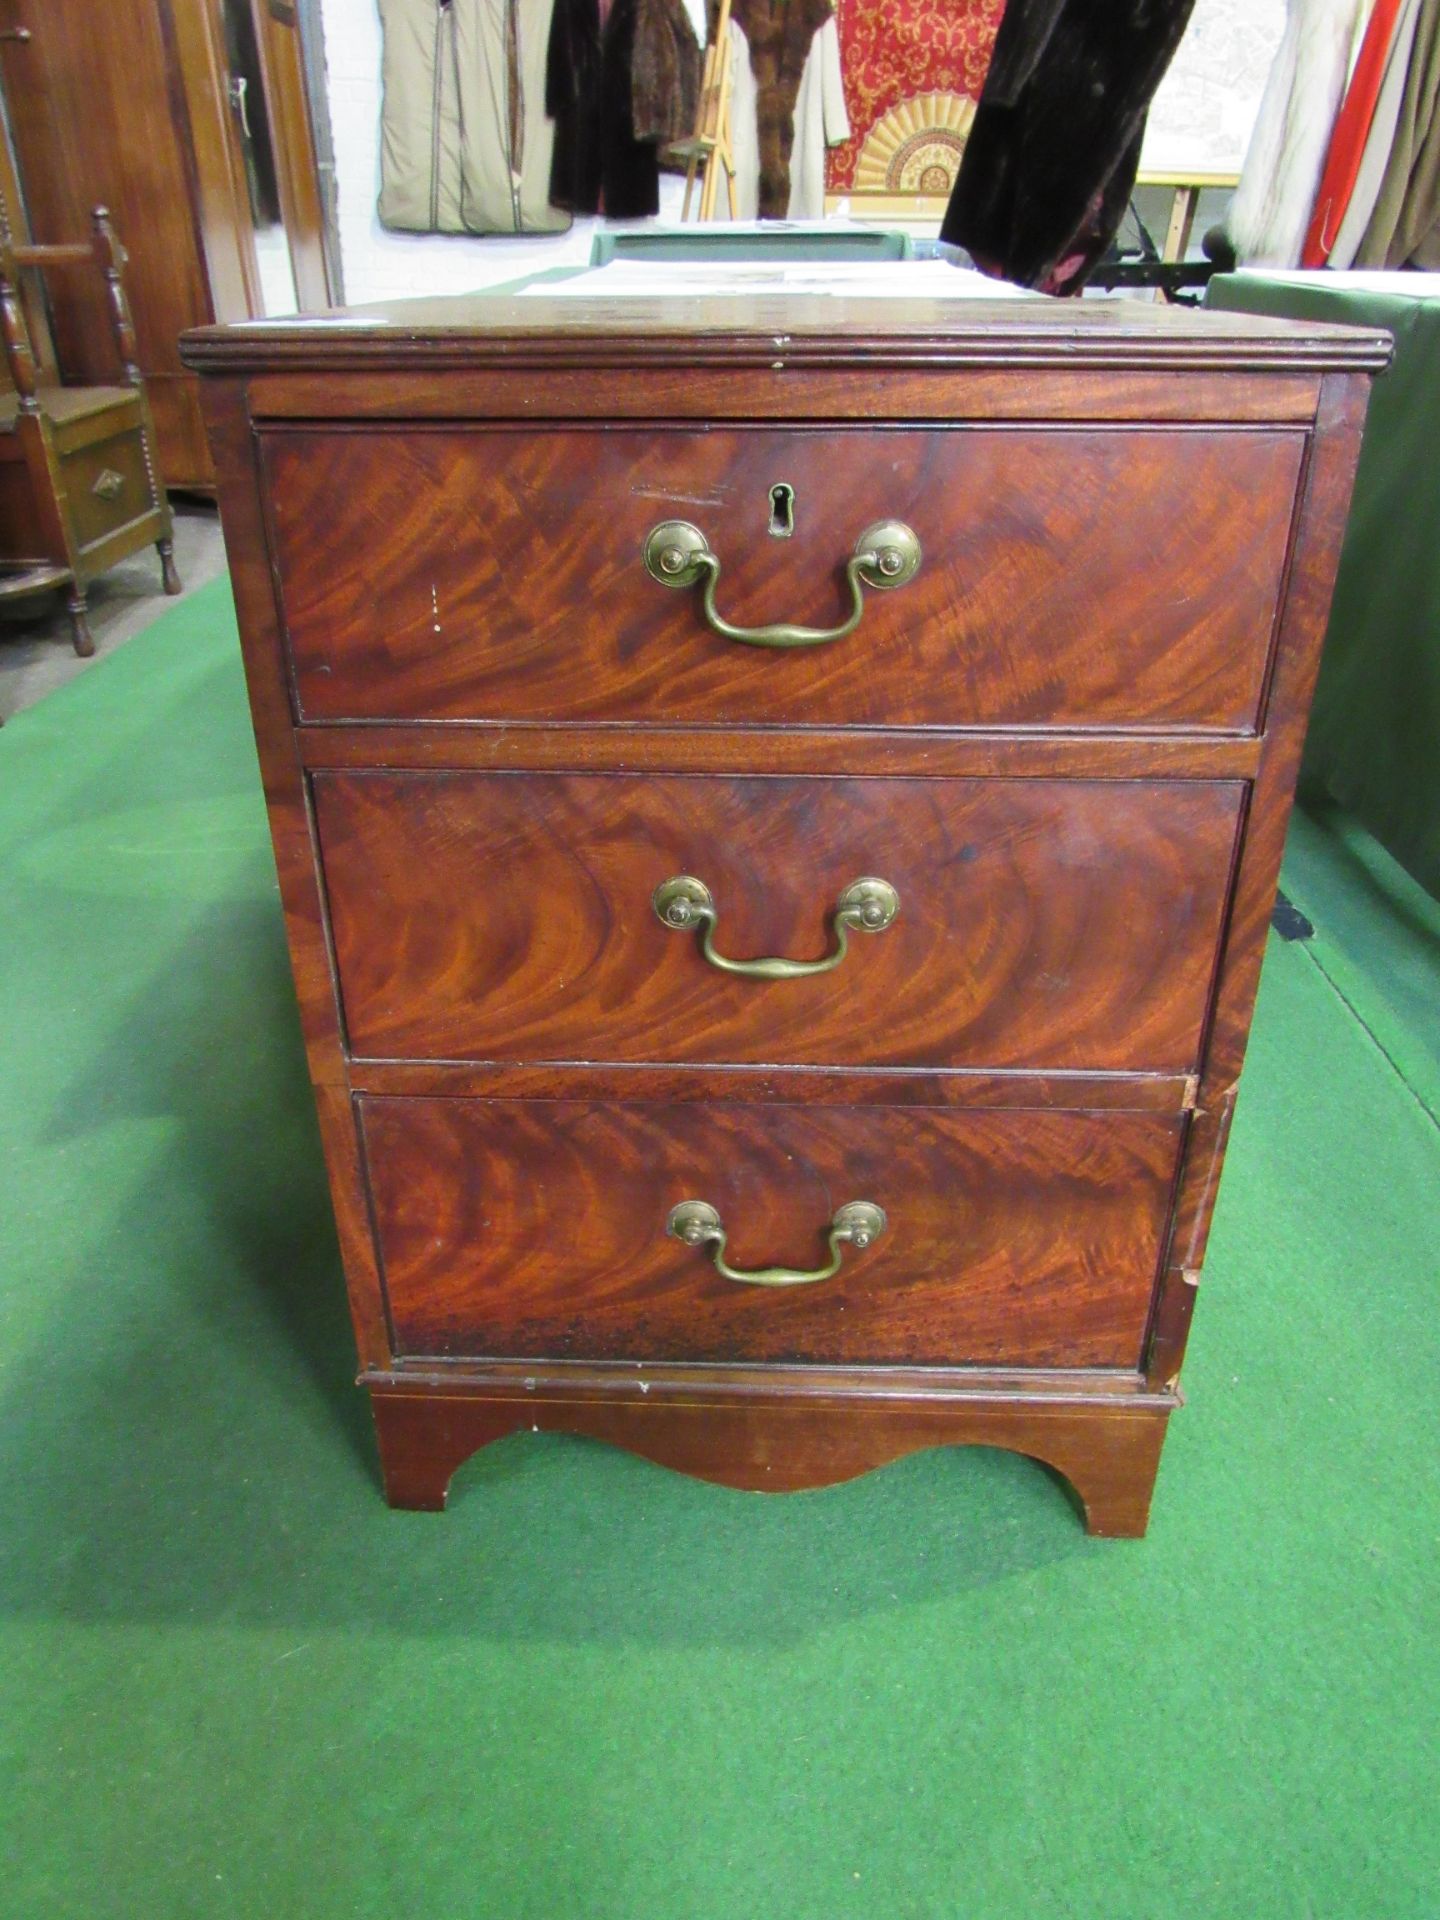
column 778, row 808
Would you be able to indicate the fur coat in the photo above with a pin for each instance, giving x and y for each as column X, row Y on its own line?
column 1050, row 162
column 664, row 72
column 1283, row 163
column 779, row 34
column 588, row 96
column 819, row 122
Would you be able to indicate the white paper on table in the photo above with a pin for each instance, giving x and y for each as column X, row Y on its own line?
column 741, row 279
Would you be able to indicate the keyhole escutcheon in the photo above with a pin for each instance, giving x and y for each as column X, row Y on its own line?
column 782, row 510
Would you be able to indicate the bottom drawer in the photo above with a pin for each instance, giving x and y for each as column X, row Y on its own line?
column 108, row 485
column 1012, row 1237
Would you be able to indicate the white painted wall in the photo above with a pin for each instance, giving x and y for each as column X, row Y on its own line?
column 378, row 265
column 1201, row 118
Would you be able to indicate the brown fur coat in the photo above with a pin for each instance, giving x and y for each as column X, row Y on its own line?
column 664, row 72
column 780, row 34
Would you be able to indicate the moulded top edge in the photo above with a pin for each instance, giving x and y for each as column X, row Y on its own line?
column 793, row 330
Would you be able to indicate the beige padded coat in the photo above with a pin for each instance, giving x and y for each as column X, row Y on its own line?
column 465, row 142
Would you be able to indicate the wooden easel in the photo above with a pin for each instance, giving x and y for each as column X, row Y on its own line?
column 710, row 146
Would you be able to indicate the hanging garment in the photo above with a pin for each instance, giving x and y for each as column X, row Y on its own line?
column 778, row 135
column 419, row 118
column 507, row 141
column 1379, row 142
column 572, row 99
column 787, row 103
column 1050, row 161
column 465, row 144
column 1278, row 182
column 1404, row 229
column 665, row 70
column 1349, row 135
column 598, row 161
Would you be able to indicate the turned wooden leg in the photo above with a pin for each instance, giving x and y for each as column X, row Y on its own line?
column 166, row 551
column 77, row 606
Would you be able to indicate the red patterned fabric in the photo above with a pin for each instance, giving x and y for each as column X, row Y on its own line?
column 892, row 50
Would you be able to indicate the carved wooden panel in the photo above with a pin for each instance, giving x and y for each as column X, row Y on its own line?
column 107, row 486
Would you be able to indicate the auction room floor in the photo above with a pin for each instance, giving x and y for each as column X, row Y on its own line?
column 232, row 1682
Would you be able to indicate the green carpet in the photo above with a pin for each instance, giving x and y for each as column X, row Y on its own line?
column 233, row 1683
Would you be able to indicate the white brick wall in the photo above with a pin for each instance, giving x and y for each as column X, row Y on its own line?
column 1201, row 118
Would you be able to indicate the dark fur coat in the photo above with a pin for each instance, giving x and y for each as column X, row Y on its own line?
column 1050, row 162
column 588, row 96
column 664, row 72
column 780, row 34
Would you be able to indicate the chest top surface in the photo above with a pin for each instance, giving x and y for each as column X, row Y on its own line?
column 845, row 329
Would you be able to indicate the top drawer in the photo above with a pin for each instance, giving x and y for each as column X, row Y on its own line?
column 1101, row 577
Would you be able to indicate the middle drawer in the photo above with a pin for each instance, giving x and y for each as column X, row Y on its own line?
column 1043, row 924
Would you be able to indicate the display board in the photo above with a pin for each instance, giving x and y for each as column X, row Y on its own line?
column 913, row 72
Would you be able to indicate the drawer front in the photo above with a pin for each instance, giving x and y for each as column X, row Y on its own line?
column 1042, row 924
column 1016, row 1238
column 1080, row 577
column 108, row 486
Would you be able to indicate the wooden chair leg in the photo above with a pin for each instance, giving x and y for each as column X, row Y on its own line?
column 77, row 606
column 166, row 550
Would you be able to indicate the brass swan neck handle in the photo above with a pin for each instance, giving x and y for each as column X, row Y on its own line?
column 858, row 1223
column 886, row 555
column 867, row 905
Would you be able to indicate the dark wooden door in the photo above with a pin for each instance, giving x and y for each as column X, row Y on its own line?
column 124, row 105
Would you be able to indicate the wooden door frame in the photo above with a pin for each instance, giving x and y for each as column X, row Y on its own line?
column 279, row 35
column 195, row 34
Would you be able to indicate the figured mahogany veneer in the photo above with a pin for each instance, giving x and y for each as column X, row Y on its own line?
column 781, row 1430
column 487, row 735
column 465, row 908
column 1014, row 1238
column 492, row 575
